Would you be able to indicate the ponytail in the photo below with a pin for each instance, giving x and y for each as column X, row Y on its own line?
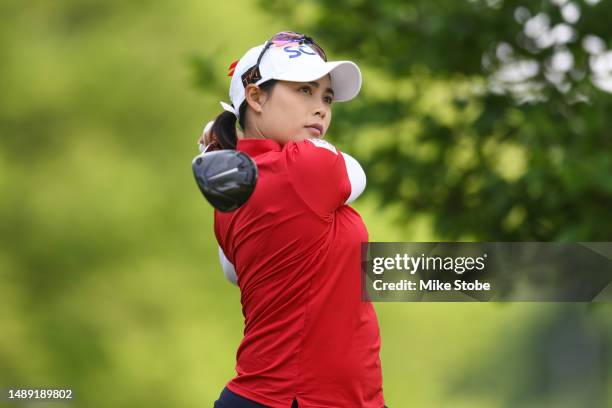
column 224, row 127
column 224, row 130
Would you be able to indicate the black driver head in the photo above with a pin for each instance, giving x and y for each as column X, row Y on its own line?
column 227, row 178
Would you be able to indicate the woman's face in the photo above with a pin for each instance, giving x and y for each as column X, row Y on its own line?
column 294, row 111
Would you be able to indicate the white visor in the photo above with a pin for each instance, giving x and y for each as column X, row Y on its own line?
column 297, row 63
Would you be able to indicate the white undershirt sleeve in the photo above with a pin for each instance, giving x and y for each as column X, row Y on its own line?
column 228, row 268
column 356, row 176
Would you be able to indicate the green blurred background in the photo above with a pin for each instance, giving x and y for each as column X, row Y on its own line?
column 478, row 120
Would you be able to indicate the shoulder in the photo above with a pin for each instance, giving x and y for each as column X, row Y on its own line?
column 314, row 154
column 311, row 147
column 315, row 144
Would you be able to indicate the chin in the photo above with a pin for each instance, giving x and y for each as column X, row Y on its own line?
column 308, row 135
column 301, row 136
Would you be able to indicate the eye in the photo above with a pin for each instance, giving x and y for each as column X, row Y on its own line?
column 328, row 99
column 306, row 89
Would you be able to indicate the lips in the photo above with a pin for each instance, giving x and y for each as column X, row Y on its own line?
column 315, row 126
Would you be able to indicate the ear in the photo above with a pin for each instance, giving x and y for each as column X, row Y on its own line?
column 255, row 97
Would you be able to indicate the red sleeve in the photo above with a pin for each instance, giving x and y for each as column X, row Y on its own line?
column 318, row 173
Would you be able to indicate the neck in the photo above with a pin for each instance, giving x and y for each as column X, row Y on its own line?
column 252, row 135
column 253, row 131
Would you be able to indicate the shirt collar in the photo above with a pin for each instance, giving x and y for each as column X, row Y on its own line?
column 254, row 147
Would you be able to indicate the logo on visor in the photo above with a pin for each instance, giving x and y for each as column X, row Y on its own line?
column 297, row 51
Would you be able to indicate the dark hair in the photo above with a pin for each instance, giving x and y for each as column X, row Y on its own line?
column 224, row 127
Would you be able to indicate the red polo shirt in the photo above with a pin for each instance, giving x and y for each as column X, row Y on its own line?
column 296, row 249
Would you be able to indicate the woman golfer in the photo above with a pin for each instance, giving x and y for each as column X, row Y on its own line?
column 294, row 247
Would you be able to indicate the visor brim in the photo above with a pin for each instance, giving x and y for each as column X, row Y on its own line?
column 345, row 77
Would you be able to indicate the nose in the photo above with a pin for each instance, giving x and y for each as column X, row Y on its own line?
column 321, row 110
